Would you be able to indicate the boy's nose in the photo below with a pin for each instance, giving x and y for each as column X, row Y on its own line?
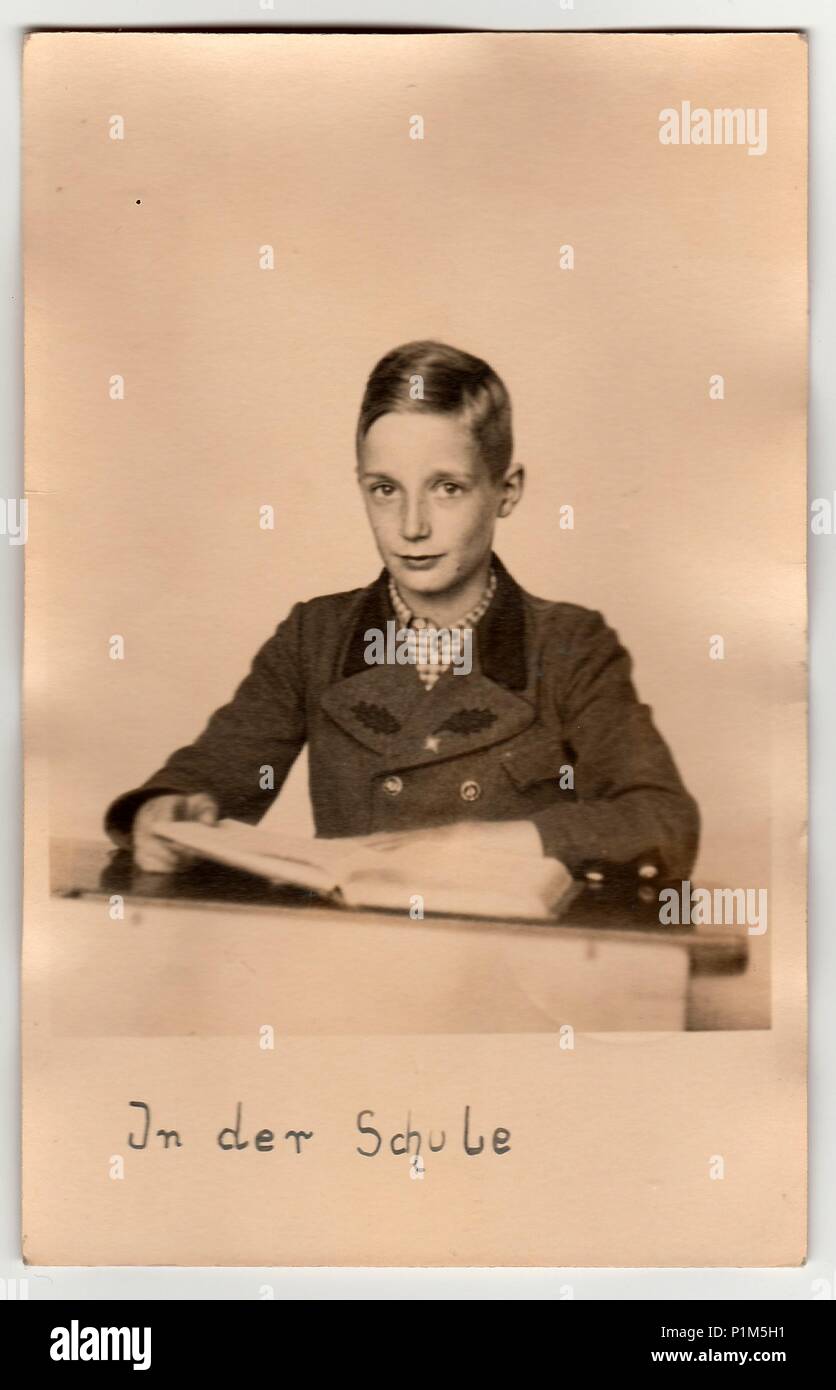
column 414, row 521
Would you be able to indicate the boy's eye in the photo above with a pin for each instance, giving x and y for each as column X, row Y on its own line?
column 382, row 489
column 451, row 489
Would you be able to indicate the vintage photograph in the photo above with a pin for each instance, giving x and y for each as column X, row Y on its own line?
column 415, row 433
column 536, row 789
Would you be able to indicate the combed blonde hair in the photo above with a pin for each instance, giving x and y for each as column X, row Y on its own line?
column 452, row 383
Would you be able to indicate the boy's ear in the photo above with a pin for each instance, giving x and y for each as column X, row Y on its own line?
column 512, row 488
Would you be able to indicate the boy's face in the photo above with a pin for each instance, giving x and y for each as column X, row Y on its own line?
column 430, row 499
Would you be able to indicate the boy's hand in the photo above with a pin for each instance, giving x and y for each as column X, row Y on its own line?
column 156, row 856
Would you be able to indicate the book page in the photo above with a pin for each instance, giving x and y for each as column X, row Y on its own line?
column 454, row 879
column 278, row 857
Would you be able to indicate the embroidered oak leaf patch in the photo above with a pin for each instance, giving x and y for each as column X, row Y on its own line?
column 467, row 721
column 375, row 717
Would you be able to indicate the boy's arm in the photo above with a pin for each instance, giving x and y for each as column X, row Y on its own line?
column 631, row 806
column 262, row 727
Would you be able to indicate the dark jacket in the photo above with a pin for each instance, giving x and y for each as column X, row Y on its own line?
column 550, row 690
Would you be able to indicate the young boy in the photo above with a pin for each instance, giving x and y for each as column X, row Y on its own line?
column 516, row 726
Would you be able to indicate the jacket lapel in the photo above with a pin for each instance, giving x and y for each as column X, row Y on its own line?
column 386, row 708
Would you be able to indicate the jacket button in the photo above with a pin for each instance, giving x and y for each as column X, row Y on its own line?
column 393, row 785
column 470, row 791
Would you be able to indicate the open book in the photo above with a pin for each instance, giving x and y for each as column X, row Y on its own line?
column 448, row 879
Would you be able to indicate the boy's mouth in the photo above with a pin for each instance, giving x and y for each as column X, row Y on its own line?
column 420, row 562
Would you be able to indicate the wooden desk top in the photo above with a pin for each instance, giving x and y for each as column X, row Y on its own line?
column 617, row 911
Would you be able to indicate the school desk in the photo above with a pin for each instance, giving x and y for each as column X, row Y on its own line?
column 210, row 951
